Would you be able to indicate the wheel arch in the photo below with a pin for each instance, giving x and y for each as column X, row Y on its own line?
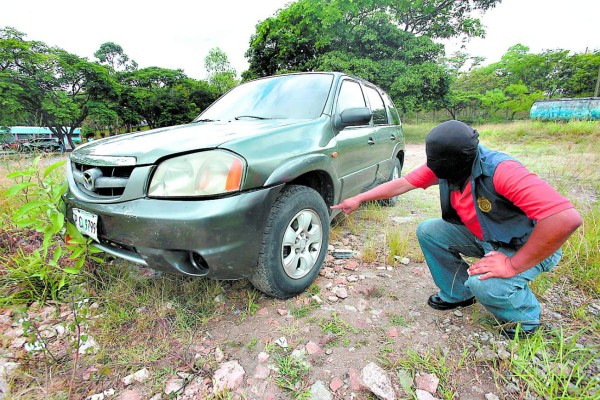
column 315, row 171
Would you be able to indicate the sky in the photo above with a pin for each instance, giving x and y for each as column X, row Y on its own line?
column 178, row 34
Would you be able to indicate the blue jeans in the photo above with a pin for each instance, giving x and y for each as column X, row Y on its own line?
column 510, row 300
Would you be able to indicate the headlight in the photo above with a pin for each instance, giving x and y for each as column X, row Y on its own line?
column 198, row 174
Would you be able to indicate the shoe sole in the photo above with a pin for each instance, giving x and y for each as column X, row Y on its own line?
column 450, row 306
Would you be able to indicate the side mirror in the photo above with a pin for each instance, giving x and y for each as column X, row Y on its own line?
column 353, row 116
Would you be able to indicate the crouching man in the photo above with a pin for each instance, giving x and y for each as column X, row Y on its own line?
column 493, row 209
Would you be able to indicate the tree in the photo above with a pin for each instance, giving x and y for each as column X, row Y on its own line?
column 60, row 87
column 159, row 96
column 580, row 72
column 457, row 100
column 220, row 72
column 440, row 18
column 112, row 55
column 385, row 41
column 306, row 29
column 519, row 99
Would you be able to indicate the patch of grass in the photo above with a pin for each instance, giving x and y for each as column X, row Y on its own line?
column 581, row 260
column 432, row 362
column 335, row 326
column 397, row 319
column 369, row 251
column 292, row 374
column 416, row 133
column 397, row 244
column 302, row 310
column 372, row 211
column 555, row 366
column 313, row 289
column 291, row 329
column 251, row 345
column 148, row 320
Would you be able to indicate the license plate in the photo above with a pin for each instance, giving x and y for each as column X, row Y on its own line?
column 86, row 223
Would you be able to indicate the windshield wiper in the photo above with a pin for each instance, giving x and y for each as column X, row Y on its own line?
column 250, row 116
column 205, row 120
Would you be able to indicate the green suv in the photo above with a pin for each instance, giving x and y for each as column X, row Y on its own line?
column 245, row 189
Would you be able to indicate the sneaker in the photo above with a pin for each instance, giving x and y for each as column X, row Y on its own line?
column 437, row 303
column 512, row 333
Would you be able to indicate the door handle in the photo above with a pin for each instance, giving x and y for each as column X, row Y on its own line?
column 393, row 137
column 371, row 141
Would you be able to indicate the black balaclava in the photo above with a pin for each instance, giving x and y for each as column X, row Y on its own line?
column 451, row 149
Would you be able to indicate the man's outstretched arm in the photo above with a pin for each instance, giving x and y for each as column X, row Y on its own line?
column 383, row 191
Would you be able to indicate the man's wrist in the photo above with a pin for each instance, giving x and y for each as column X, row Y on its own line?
column 511, row 266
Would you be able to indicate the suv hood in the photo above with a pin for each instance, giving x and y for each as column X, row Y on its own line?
column 149, row 146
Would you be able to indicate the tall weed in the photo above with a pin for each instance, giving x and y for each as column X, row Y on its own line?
column 36, row 263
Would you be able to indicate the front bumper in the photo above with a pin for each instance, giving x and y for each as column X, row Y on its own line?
column 218, row 238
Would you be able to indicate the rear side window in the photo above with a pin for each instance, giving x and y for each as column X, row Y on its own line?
column 377, row 107
column 350, row 96
column 392, row 109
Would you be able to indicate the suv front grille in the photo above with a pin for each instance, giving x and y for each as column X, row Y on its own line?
column 101, row 181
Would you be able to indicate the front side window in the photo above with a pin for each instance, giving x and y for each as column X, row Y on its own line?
column 351, row 95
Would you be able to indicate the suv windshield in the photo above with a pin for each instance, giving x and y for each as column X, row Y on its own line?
column 280, row 97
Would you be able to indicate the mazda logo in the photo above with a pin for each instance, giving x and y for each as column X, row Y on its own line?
column 89, row 178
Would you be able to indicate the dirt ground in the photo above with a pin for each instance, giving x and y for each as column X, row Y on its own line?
column 383, row 313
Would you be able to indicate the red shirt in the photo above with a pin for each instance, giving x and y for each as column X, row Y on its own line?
column 512, row 180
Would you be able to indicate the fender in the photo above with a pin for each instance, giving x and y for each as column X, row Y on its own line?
column 299, row 166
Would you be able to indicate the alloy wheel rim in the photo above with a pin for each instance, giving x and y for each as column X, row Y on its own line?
column 302, row 241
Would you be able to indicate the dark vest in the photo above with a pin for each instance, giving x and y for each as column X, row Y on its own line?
column 502, row 223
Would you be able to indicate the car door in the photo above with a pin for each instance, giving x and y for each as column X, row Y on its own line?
column 357, row 159
column 385, row 134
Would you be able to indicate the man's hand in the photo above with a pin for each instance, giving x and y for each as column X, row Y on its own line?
column 384, row 191
column 493, row 265
column 348, row 206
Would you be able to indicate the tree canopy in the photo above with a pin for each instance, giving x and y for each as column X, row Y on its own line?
column 387, row 42
column 220, row 72
column 50, row 85
column 511, row 85
column 47, row 86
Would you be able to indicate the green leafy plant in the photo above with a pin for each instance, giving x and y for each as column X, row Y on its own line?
column 45, row 264
column 292, row 371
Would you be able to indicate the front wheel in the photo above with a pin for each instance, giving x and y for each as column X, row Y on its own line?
column 294, row 243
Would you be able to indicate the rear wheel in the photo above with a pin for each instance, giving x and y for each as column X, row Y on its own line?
column 392, row 201
column 294, row 243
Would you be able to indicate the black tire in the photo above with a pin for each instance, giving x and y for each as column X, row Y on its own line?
column 294, row 243
column 396, row 170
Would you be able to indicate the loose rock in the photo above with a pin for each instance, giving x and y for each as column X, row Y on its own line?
column 140, row 376
column 340, row 292
column 427, row 382
column 312, row 348
column 424, row 395
column 263, row 357
column 174, row 385
column 229, row 376
column 354, row 380
column 375, row 378
column 318, row 391
column 336, row 384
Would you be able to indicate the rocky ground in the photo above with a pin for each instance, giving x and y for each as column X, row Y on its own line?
column 363, row 331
